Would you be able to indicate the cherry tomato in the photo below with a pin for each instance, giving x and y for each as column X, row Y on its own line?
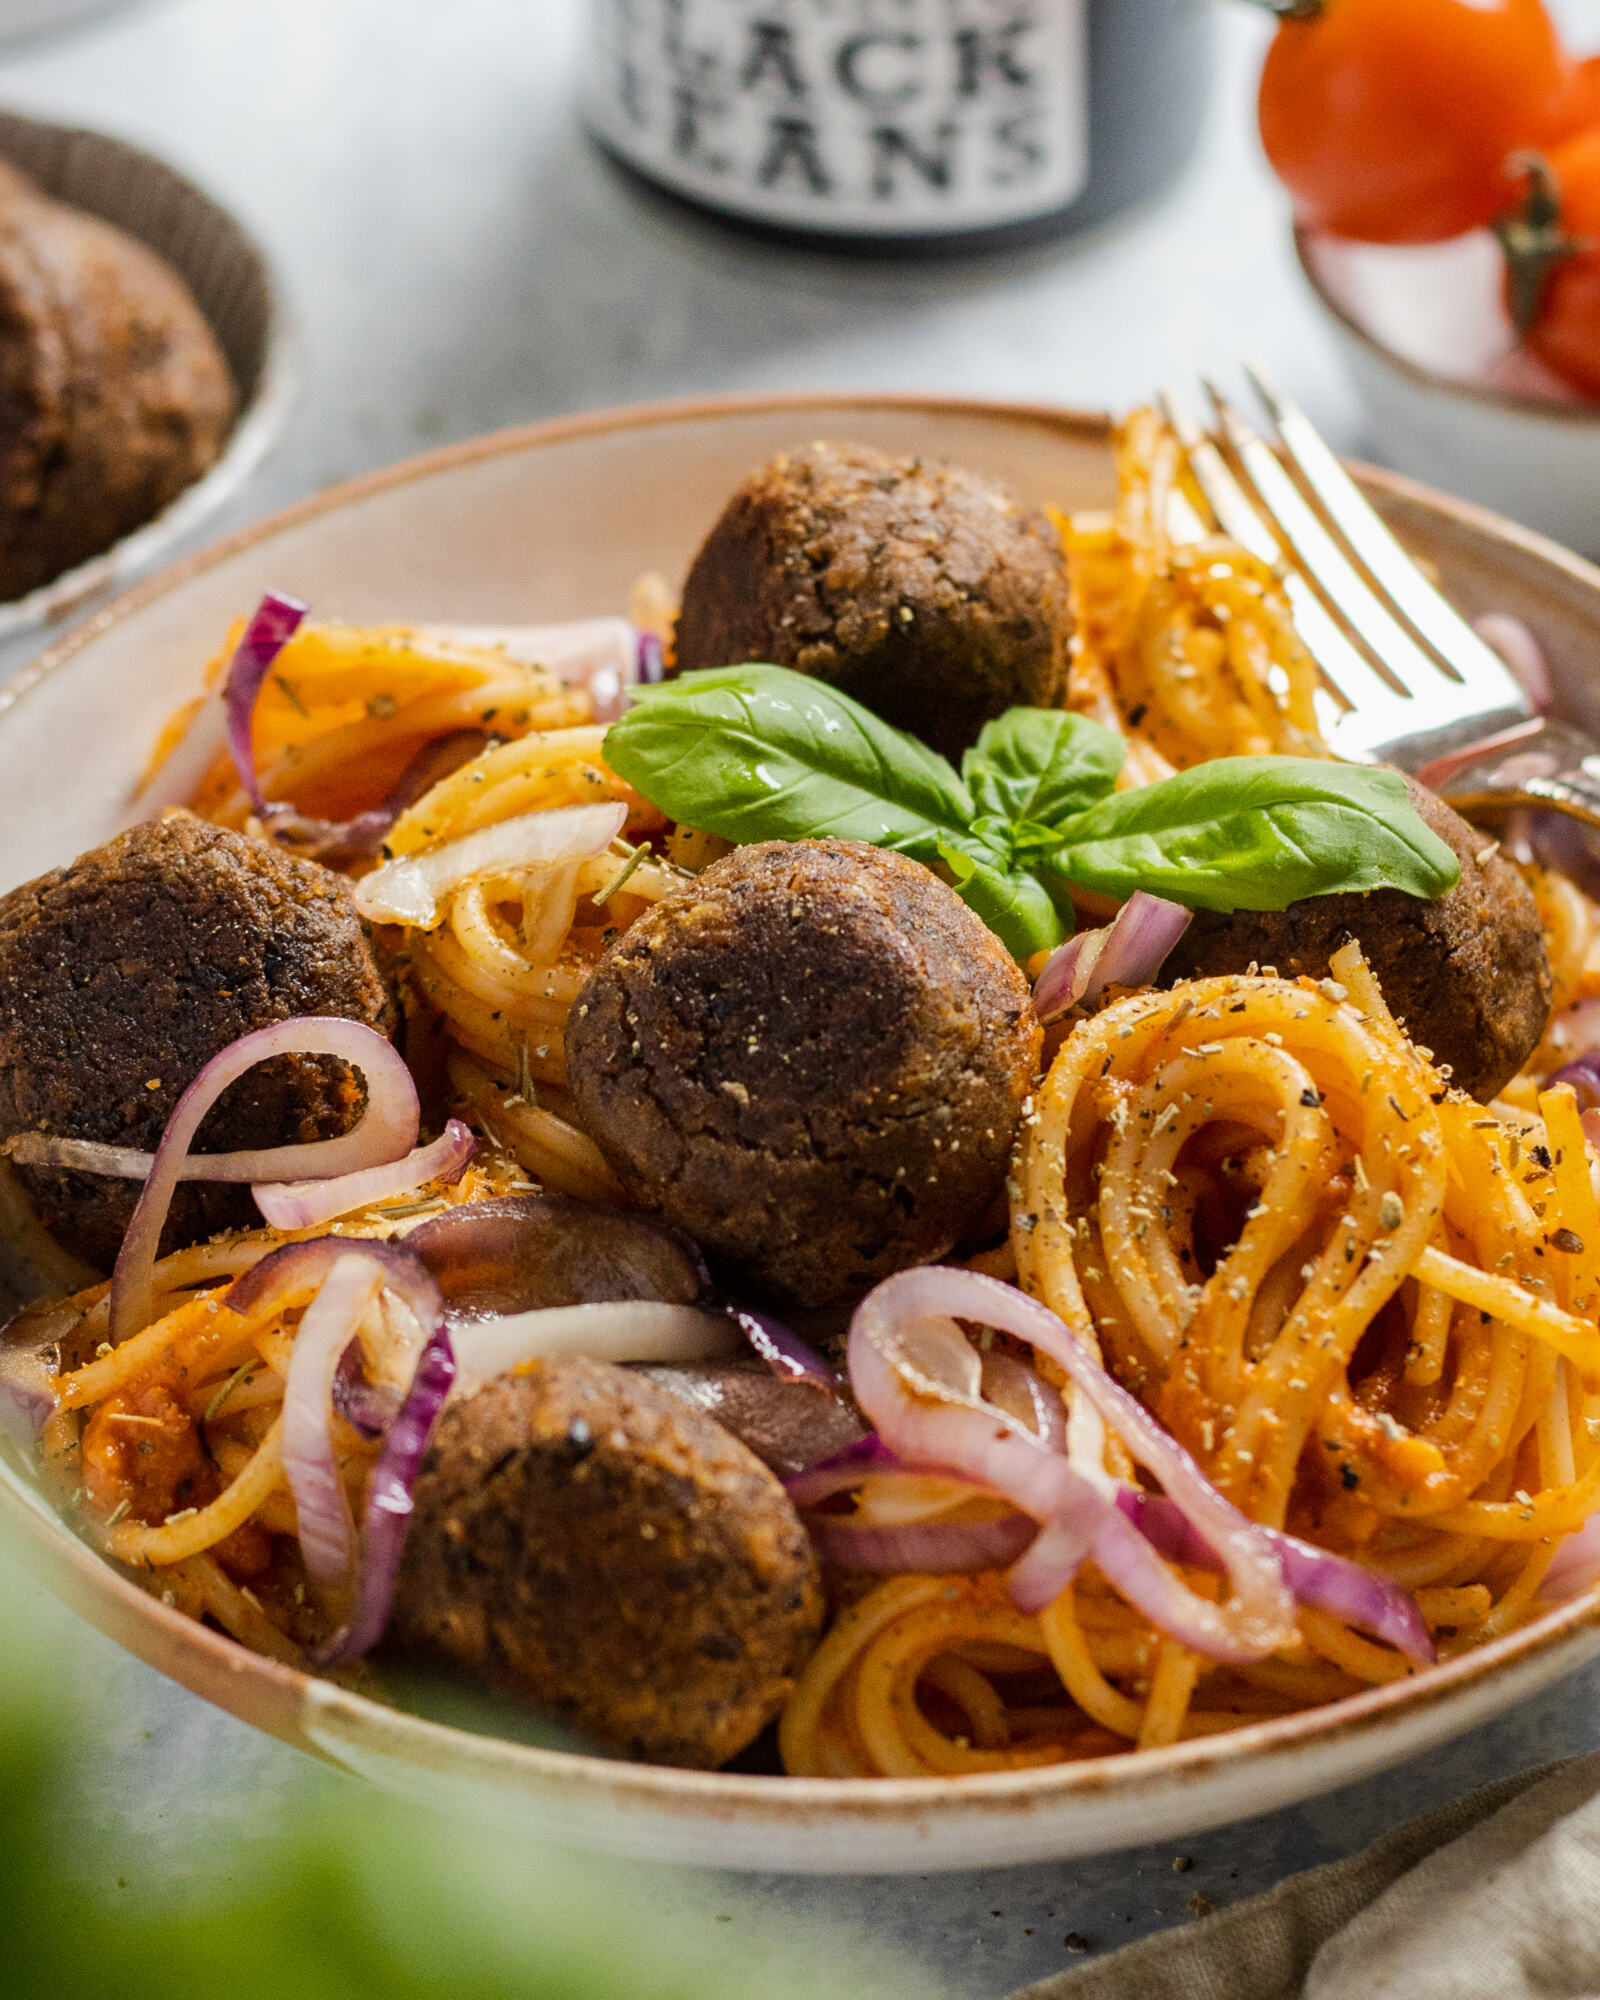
column 1553, row 255
column 1582, row 106
column 1390, row 120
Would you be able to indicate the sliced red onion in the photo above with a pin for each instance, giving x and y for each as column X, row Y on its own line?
column 182, row 771
column 387, row 1514
column 1583, row 1075
column 302, row 1267
column 622, row 1331
column 387, row 1130
column 1521, row 652
column 652, row 663
column 1576, row 1565
column 299, row 1266
column 846, row 1469
column 908, row 1379
column 30, row 1355
column 1024, row 1392
column 782, row 1349
column 303, row 1204
column 1129, row 951
column 917, row 1378
column 1557, row 841
column 1316, row 1577
column 937, row 1547
column 338, row 842
column 518, row 1253
column 277, row 618
column 603, row 656
column 413, row 890
column 367, row 1407
column 322, row 1512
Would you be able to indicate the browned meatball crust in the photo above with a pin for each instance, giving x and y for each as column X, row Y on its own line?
column 585, row 1542
column 114, row 395
column 813, row 1059
column 928, row 593
column 120, row 978
column 1467, row 976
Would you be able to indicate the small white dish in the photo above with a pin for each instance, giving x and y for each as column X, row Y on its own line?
column 558, row 521
column 1445, row 392
column 235, row 287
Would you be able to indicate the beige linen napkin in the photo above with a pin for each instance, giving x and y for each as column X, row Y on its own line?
column 1496, row 1897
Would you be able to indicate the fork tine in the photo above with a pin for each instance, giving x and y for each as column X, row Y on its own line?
column 1441, row 628
column 1347, row 675
column 1327, row 566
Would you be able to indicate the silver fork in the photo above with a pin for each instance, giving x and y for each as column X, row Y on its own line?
column 1405, row 679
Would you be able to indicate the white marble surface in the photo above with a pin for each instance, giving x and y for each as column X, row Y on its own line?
column 460, row 259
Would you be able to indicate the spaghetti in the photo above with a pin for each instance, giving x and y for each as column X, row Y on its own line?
column 1367, row 1307
column 1183, row 641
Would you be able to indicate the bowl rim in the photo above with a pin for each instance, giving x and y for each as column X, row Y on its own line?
column 1512, row 402
column 311, row 1702
column 256, row 429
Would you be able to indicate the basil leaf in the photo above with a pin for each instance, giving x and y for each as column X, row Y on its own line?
column 1018, row 908
column 762, row 753
column 1256, row 833
column 1042, row 764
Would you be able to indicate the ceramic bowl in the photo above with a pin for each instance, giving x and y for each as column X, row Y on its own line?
column 550, row 523
column 1444, row 391
column 234, row 286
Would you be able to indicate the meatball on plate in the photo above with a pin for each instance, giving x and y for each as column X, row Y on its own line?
column 766, row 1166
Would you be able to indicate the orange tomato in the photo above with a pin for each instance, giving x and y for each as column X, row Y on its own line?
column 1553, row 258
column 1390, row 120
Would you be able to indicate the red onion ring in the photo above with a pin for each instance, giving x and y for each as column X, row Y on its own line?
column 1522, row 653
column 322, row 1512
column 275, row 621
column 848, row 1468
column 782, row 1349
column 519, row 1253
column 367, row 1407
column 305, row 1203
column 926, row 1419
column 618, row 1331
column 1129, row 951
column 387, row 1511
column 386, row 1516
column 1576, row 1565
column 1582, row 1076
column 413, row 889
column 1316, row 1576
column 387, row 1130
column 337, row 842
column 604, row 657
column 1024, row 1392
column 940, row 1548
column 287, row 1204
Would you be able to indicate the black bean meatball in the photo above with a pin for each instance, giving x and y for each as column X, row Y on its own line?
column 584, row 1541
column 814, row 1060
column 120, row 978
column 928, row 593
column 114, row 395
column 1466, row 975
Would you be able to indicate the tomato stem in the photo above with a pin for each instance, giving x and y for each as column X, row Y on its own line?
column 1294, row 10
column 1534, row 238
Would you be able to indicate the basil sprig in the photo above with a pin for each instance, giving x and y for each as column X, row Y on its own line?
column 761, row 753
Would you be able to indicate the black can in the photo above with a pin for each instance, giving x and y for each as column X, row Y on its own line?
column 901, row 127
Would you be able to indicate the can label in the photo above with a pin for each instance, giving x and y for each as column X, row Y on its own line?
column 851, row 117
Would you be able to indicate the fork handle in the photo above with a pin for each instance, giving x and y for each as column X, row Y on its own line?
column 1544, row 763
